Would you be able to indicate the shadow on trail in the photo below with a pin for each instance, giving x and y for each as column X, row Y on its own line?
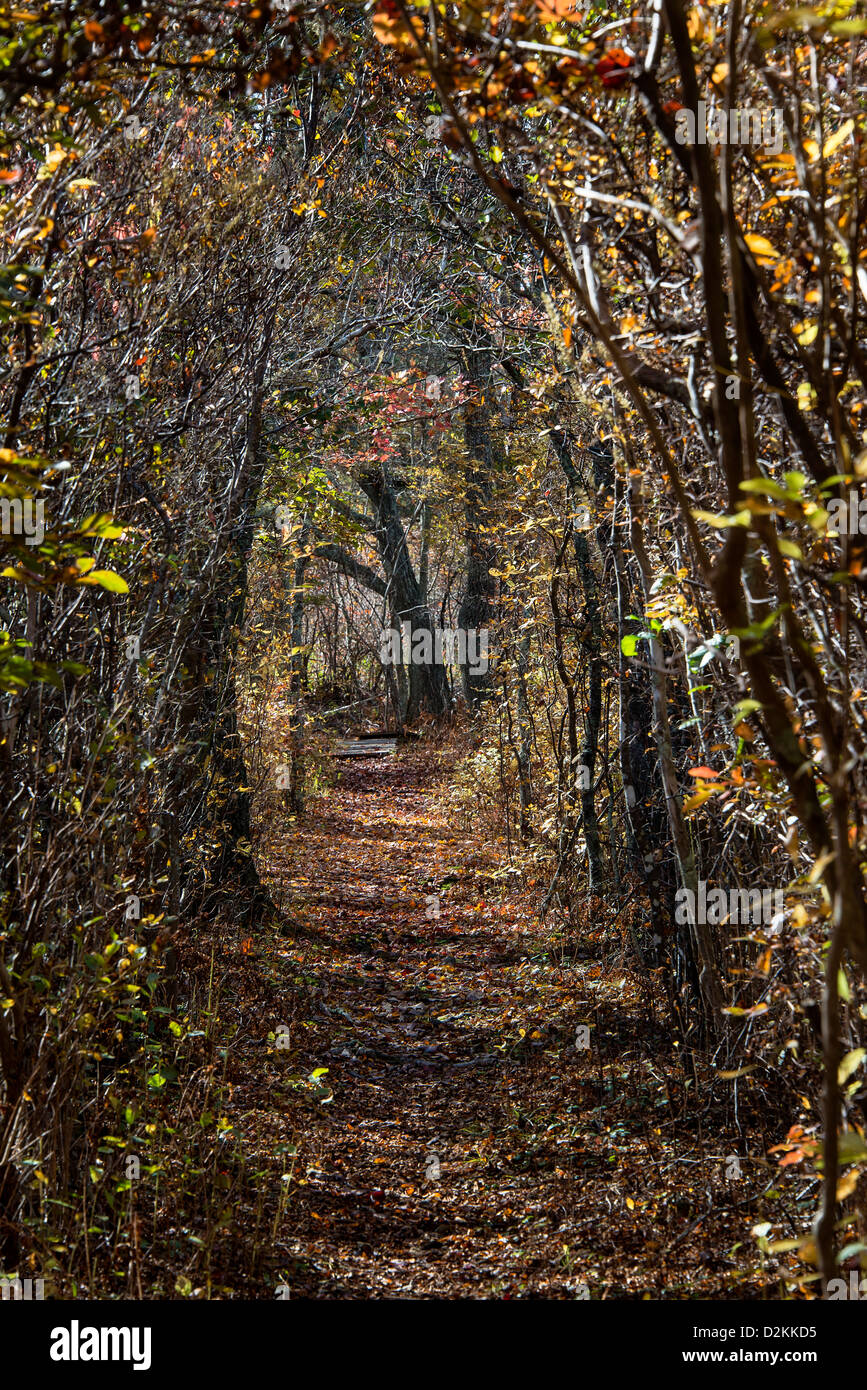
column 451, row 1139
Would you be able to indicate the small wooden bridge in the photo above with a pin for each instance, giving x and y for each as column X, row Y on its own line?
column 367, row 746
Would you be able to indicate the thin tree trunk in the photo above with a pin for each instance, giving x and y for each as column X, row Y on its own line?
column 709, row 981
column 591, row 641
column 477, row 605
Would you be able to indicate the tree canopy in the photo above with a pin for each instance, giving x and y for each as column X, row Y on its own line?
column 488, row 372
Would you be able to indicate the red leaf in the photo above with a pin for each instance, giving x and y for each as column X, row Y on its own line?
column 614, row 67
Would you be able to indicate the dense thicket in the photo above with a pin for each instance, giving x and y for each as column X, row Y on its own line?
column 320, row 320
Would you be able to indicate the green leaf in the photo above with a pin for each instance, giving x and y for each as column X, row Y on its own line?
column 764, row 486
column 628, row 645
column 795, row 483
column 851, row 1147
column 758, row 630
column 744, row 707
column 663, row 582
column 720, row 521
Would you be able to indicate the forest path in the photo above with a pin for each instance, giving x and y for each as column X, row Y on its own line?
column 460, row 1144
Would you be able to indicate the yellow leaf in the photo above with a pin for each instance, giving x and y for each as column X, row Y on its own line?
column 847, row 1184
column 850, row 1063
column 808, row 1252
column 107, row 579
column 789, row 549
column 697, row 799
column 760, row 246
column 837, row 139
column 819, row 867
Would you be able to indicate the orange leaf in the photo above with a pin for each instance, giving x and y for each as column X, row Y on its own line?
column 791, row 1158
column 559, row 9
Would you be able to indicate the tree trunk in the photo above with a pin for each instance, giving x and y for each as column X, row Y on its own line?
column 428, row 690
column 701, row 934
column 591, row 641
column 477, row 605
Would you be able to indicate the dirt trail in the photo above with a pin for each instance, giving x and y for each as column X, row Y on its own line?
column 460, row 1144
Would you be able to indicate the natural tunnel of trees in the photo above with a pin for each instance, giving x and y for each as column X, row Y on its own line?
column 328, row 322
